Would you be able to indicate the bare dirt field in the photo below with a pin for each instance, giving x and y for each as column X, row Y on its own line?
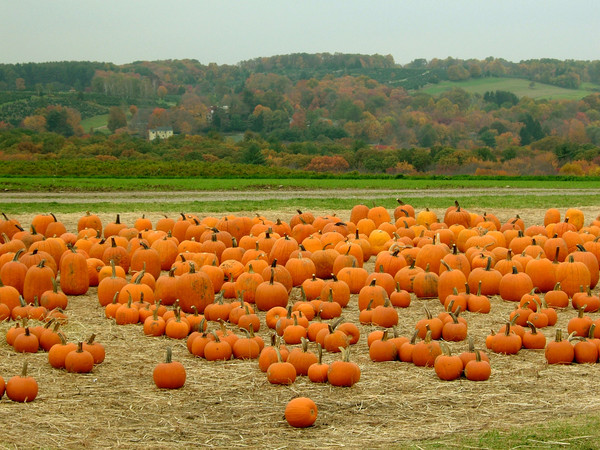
column 231, row 404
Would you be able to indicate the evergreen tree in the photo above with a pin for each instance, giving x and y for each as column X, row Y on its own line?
column 531, row 130
column 253, row 155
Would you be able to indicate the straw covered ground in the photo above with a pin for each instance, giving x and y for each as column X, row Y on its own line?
column 231, row 404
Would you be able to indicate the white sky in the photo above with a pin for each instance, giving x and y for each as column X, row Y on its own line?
column 228, row 31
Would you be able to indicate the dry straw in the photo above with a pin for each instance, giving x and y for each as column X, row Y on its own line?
column 231, row 404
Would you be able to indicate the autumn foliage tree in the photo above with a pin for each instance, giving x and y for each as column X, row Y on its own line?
column 328, row 164
column 116, row 118
column 158, row 118
column 36, row 123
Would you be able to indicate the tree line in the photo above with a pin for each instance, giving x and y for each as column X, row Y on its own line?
column 255, row 155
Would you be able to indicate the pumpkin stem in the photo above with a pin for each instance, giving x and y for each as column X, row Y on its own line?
column 556, row 254
column 428, row 335
column 454, row 316
column 427, row 312
column 471, row 344
column 304, row 342
column 592, row 331
column 414, row 336
column 129, row 300
column 169, row 357
column 532, row 326
column 24, row 371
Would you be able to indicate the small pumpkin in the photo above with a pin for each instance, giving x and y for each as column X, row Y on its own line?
column 281, row 372
column 79, row 361
column 559, row 351
column 95, row 348
column 507, row 343
column 58, row 352
column 478, row 369
column 26, row 342
column 533, row 339
column 22, row 388
column 383, row 349
column 219, row 349
column 170, row 374
column 317, row 372
column 301, row 358
column 343, row 372
column 301, row 412
column 448, row 367
column 425, row 352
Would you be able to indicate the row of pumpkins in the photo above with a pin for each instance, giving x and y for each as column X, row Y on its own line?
column 218, row 251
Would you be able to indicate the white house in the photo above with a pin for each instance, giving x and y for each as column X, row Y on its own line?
column 160, row 132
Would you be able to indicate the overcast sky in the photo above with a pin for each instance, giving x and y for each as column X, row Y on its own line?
column 228, row 31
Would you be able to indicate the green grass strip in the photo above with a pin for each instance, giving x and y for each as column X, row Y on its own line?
column 325, row 203
column 49, row 184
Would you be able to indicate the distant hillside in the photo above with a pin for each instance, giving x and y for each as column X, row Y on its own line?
column 180, row 74
column 450, row 114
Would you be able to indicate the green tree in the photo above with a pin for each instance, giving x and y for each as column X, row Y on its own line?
column 253, row 155
column 57, row 122
column 420, row 159
column 531, row 130
column 427, row 136
column 566, row 152
column 508, row 154
column 346, row 109
column 116, row 118
column 488, row 137
column 484, row 153
column 594, row 71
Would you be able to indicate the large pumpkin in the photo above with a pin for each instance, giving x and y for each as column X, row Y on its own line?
column 74, row 277
column 194, row 289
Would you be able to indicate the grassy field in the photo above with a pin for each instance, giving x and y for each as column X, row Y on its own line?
column 47, row 184
column 520, row 87
column 574, row 433
column 97, row 123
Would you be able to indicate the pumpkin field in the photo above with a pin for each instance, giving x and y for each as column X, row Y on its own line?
column 230, row 402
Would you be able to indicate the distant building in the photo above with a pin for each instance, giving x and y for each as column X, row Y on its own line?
column 160, row 132
column 212, row 110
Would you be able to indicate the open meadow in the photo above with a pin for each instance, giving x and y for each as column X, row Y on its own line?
column 520, row 87
column 226, row 404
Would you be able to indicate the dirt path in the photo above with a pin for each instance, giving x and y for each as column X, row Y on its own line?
column 266, row 194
